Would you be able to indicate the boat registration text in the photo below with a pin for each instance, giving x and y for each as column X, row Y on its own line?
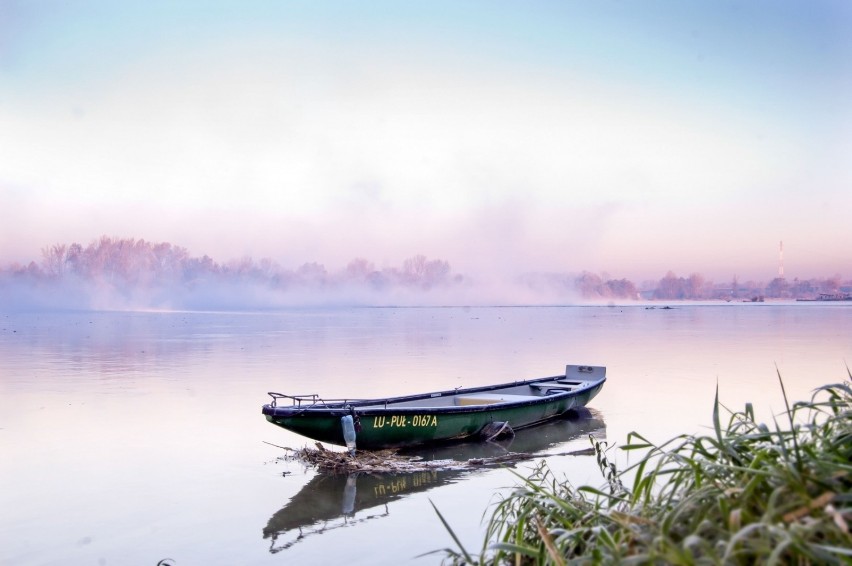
column 402, row 421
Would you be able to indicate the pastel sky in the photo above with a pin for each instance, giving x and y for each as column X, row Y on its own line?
column 630, row 138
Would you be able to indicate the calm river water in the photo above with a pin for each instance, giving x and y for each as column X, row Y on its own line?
column 127, row 438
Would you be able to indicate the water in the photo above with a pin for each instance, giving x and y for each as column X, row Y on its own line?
column 127, row 438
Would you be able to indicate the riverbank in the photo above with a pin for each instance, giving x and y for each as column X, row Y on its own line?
column 747, row 493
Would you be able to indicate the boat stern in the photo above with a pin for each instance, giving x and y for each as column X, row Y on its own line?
column 585, row 373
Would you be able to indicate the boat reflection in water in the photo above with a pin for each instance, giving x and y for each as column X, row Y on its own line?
column 329, row 502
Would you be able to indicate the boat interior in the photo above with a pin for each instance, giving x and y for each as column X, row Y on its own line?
column 575, row 377
column 511, row 394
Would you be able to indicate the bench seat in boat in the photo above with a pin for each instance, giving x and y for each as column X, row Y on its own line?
column 491, row 398
column 548, row 385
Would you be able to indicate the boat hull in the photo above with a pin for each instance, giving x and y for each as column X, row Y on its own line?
column 395, row 427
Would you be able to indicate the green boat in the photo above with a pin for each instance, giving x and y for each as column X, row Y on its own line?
column 442, row 416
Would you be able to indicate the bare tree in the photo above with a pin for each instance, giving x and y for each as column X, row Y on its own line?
column 53, row 260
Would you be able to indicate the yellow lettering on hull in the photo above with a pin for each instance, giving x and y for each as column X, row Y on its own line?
column 402, row 421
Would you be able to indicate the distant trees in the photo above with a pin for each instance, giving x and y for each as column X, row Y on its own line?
column 587, row 286
column 111, row 259
column 592, row 286
column 359, row 269
column 146, row 273
column 622, row 288
column 53, row 259
column 134, row 268
column 138, row 262
column 809, row 288
column 778, row 288
column 421, row 272
column 672, row 287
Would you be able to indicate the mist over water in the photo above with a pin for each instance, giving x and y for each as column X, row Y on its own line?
column 130, row 274
column 24, row 296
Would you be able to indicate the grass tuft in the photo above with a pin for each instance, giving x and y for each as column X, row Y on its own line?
column 745, row 494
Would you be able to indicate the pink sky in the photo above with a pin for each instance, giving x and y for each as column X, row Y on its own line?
column 503, row 140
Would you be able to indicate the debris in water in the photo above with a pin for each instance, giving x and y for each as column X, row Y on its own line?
column 391, row 461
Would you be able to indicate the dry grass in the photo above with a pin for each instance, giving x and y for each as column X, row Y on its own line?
column 391, row 461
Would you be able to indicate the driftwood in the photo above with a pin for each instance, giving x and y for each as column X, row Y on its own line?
column 391, row 461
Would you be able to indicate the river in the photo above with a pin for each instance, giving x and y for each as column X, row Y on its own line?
column 131, row 437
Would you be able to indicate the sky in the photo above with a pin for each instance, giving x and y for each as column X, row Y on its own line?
column 618, row 137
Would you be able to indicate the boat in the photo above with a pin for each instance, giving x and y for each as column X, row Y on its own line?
column 442, row 416
column 830, row 297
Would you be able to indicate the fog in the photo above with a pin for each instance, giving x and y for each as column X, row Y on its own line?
column 130, row 274
column 21, row 293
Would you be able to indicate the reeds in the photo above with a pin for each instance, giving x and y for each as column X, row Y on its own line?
column 746, row 493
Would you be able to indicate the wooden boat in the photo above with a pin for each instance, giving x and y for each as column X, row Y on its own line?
column 374, row 424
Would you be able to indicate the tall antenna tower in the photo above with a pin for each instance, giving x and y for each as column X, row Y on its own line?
column 781, row 260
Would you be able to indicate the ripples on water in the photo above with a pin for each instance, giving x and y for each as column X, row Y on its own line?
column 131, row 437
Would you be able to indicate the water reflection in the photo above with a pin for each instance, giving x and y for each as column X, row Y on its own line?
column 330, row 502
column 578, row 423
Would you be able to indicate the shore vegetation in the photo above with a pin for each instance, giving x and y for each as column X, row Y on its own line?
column 745, row 493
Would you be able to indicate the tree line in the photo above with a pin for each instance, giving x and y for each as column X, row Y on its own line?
column 137, row 268
column 695, row 287
column 131, row 262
